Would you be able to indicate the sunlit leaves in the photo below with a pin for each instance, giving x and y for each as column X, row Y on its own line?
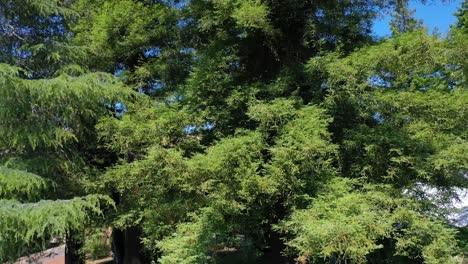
column 32, row 225
column 53, row 112
column 348, row 222
column 253, row 14
column 15, row 184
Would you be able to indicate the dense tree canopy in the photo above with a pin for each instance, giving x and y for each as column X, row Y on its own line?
column 232, row 131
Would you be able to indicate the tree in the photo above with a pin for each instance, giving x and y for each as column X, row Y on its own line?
column 361, row 223
column 249, row 115
column 28, row 224
column 240, row 131
column 403, row 20
column 35, row 36
column 42, row 137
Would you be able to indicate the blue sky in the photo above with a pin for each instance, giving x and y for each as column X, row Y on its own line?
column 438, row 14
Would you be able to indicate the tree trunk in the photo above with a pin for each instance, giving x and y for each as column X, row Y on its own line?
column 273, row 255
column 73, row 248
column 127, row 247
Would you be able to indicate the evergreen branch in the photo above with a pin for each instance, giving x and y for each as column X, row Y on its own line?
column 16, row 184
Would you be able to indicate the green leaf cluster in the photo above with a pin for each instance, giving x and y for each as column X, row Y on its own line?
column 354, row 222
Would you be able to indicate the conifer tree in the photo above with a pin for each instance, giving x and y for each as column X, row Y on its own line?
column 34, row 35
column 47, row 130
column 403, row 19
column 224, row 131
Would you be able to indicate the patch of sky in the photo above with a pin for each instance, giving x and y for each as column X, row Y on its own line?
column 407, row 119
column 454, row 201
column 26, row 30
column 378, row 82
column 234, row 64
column 379, row 118
column 208, row 126
column 152, row 52
column 242, row 35
column 437, row 17
column 348, row 11
column 56, row 19
column 328, row 38
column 191, row 129
column 187, row 50
column 174, row 99
column 119, row 70
column 120, row 109
column 196, row 58
column 6, row 28
column 156, row 85
column 324, row 86
column 58, row 26
column 183, row 22
column 436, row 74
column 152, row 87
column 22, row 53
column 361, row 102
column 453, row 67
column 180, row 4
column 320, row 13
column 452, row 85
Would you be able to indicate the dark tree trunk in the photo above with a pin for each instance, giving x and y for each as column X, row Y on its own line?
column 74, row 244
column 118, row 247
column 273, row 255
column 127, row 247
column 274, row 252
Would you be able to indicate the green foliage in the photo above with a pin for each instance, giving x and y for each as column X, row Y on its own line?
column 117, row 35
column 220, row 126
column 47, row 128
column 224, row 178
column 34, row 35
column 274, row 115
column 403, row 20
column 458, row 42
column 146, row 123
column 20, row 185
column 252, row 15
column 142, row 46
column 348, row 222
column 32, row 225
column 192, row 240
column 227, row 179
column 33, row 113
column 302, row 155
column 229, row 173
column 97, row 243
column 462, row 16
column 402, row 92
